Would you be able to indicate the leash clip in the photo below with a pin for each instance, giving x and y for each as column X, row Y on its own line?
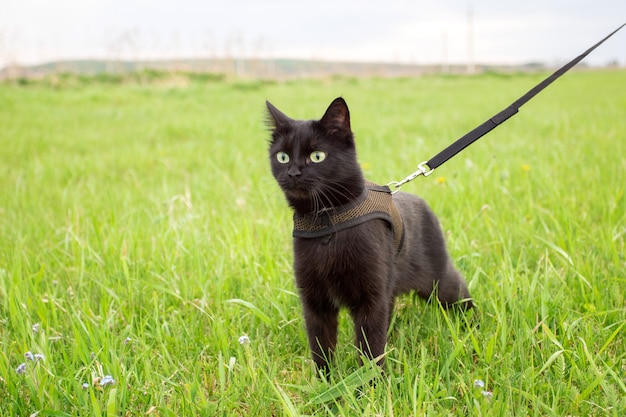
column 422, row 169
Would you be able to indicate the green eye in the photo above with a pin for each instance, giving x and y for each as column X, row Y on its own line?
column 318, row 156
column 282, row 157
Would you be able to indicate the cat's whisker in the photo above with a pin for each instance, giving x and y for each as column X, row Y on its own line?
column 346, row 195
column 317, row 204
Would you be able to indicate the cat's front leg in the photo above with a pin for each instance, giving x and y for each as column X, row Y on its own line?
column 321, row 327
column 370, row 326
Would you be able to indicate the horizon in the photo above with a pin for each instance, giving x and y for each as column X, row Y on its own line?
column 270, row 68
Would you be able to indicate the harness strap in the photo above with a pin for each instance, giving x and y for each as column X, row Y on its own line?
column 376, row 202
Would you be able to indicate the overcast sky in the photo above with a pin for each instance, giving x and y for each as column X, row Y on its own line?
column 418, row 31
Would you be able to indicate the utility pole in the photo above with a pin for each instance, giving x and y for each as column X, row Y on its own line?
column 445, row 65
column 470, row 39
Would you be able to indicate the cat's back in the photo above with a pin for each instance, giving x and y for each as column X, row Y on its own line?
column 412, row 208
column 422, row 231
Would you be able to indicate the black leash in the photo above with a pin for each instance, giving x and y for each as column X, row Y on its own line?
column 427, row 167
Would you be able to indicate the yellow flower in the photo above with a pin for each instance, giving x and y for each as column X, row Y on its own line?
column 365, row 166
column 441, row 180
column 525, row 167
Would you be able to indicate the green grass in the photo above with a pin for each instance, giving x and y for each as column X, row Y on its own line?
column 141, row 234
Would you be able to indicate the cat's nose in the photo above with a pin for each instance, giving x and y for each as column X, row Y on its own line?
column 294, row 171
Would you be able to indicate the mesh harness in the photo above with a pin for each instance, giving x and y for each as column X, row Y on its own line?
column 375, row 202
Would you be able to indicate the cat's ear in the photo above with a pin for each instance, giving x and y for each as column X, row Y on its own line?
column 277, row 120
column 337, row 117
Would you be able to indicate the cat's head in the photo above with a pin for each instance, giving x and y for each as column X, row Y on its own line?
column 314, row 161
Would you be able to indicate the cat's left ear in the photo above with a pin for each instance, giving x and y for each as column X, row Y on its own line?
column 337, row 117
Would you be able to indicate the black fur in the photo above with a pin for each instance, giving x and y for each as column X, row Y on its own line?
column 356, row 268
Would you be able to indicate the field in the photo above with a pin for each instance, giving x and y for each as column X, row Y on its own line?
column 145, row 249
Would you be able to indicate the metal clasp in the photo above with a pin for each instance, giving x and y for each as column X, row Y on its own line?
column 422, row 169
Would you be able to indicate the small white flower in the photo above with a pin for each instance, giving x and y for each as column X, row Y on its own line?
column 36, row 327
column 478, row 383
column 244, row 340
column 85, row 386
column 39, row 357
column 487, row 394
column 106, row 380
column 29, row 356
column 21, row 369
column 127, row 340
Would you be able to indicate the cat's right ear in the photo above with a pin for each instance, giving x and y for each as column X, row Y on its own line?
column 277, row 120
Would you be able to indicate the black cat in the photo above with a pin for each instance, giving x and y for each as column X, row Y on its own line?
column 355, row 244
